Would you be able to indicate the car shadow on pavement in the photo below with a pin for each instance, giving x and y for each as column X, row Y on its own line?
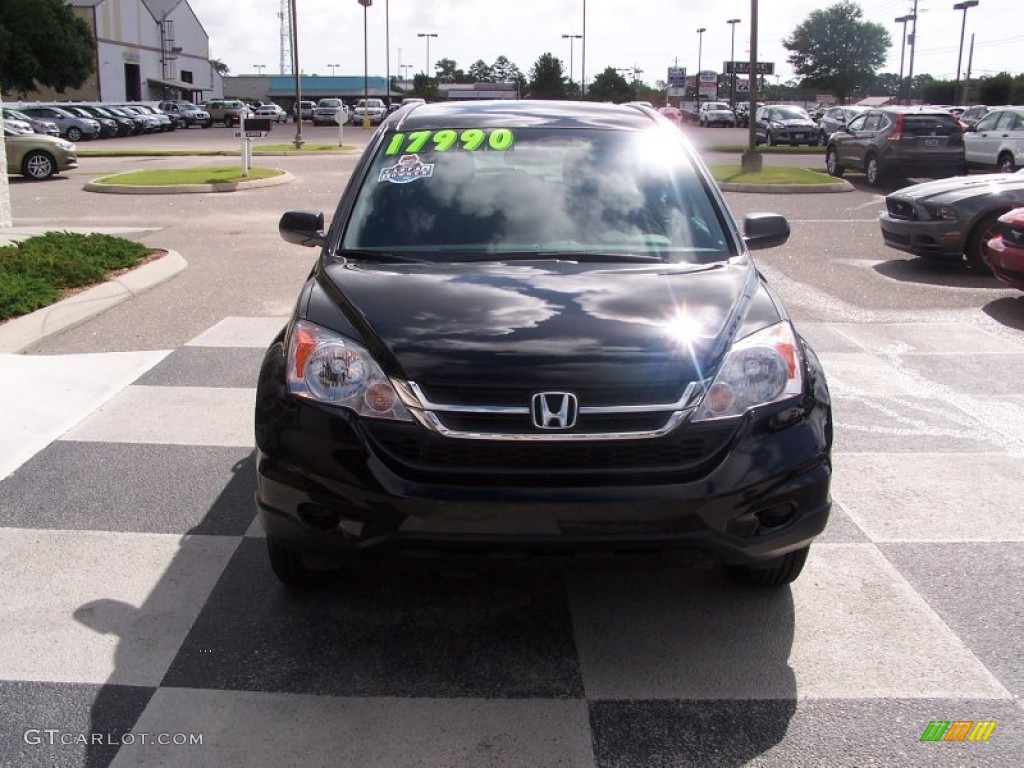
column 936, row 272
column 1008, row 311
column 665, row 661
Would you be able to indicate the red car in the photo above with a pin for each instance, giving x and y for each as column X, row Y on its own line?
column 1005, row 252
column 672, row 114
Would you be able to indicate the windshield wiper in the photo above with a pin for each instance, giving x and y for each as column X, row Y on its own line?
column 605, row 257
column 389, row 257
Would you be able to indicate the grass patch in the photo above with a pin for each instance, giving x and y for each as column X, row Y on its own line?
column 257, row 148
column 35, row 272
column 173, row 176
column 782, row 176
column 738, row 149
column 156, row 152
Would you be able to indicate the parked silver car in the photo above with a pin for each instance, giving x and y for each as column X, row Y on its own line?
column 717, row 113
column 72, row 127
column 37, row 125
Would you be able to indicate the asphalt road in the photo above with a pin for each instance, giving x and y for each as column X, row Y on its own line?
column 137, row 597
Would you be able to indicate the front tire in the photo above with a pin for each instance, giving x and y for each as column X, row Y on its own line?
column 774, row 573
column 74, row 134
column 872, row 171
column 977, row 242
column 832, row 163
column 38, row 165
column 293, row 572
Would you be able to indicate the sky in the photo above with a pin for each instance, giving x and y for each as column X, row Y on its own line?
column 648, row 35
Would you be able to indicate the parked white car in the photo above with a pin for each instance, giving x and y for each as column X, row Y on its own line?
column 717, row 113
column 997, row 140
column 373, row 108
column 271, row 111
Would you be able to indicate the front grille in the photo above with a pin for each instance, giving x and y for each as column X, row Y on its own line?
column 901, row 209
column 590, row 395
column 418, row 454
column 522, row 424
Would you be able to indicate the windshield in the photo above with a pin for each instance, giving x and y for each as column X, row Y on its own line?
column 447, row 195
column 789, row 113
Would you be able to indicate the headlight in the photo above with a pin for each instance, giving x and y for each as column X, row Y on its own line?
column 66, row 146
column 327, row 367
column 765, row 367
column 941, row 212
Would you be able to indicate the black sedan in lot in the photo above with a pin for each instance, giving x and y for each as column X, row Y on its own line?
column 535, row 328
column 950, row 218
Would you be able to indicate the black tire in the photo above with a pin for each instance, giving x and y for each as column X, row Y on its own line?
column 872, row 171
column 293, row 572
column 38, row 165
column 774, row 573
column 832, row 163
column 982, row 232
column 208, row 124
column 74, row 133
column 1005, row 163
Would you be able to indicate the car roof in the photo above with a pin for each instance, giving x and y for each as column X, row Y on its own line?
column 523, row 114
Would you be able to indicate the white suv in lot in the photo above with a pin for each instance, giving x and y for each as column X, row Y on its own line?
column 716, row 113
column 997, row 140
column 374, row 109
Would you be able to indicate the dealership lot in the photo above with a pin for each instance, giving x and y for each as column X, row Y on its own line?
column 138, row 598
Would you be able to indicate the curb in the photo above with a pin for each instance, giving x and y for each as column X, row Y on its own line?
column 21, row 332
column 840, row 185
column 177, row 189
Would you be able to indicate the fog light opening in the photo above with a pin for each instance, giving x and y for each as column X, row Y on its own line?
column 775, row 517
column 319, row 517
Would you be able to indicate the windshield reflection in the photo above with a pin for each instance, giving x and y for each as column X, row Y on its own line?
column 549, row 192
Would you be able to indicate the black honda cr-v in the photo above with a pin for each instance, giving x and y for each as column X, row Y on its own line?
column 535, row 327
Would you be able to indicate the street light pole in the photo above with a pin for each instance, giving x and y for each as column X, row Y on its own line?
column 260, row 67
column 428, row 35
column 387, row 52
column 333, row 68
column 732, row 64
column 583, row 63
column 571, row 39
column 366, row 65
column 700, row 48
column 298, row 77
column 960, row 56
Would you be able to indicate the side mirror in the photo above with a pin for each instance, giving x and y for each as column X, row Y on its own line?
column 764, row 230
column 303, row 228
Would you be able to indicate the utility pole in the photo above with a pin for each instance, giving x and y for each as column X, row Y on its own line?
column 903, row 53
column 967, row 76
column 913, row 44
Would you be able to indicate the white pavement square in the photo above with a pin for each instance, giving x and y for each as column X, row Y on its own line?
column 240, row 332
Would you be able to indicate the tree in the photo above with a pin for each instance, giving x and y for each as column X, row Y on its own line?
column 834, row 50
column 547, row 80
column 425, row 87
column 43, row 44
column 481, row 72
column 504, row 71
column 610, row 86
column 996, row 89
column 220, row 67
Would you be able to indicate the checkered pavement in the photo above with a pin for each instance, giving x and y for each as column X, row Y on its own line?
column 138, row 606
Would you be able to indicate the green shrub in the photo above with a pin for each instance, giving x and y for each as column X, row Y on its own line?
column 34, row 271
column 21, row 294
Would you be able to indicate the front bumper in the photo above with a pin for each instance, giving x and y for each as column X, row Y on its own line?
column 325, row 489
column 935, row 238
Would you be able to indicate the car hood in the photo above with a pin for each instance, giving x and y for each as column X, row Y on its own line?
column 798, row 122
column 961, row 187
column 550, row 323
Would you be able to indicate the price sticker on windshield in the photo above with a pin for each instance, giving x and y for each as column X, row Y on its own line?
column 447, row 140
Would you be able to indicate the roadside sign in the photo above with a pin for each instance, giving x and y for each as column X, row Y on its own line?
column 251, row 134
column 676, row 75
column 743, row 67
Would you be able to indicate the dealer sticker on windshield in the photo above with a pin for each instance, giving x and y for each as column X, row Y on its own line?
column 408, row 168
column 447, row 140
